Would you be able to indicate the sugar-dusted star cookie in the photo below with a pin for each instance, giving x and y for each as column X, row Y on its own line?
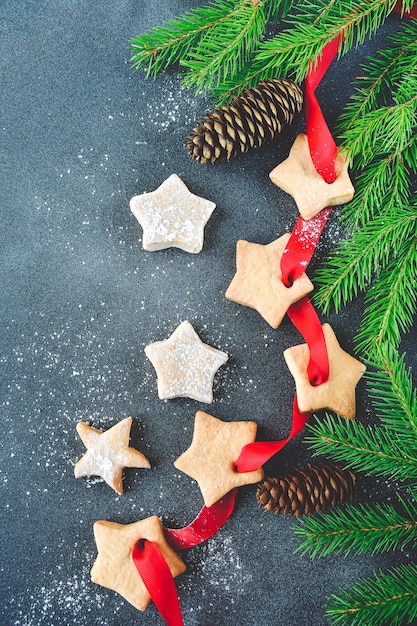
column 258, row 280
column 211, row 457
column 338, row 393
column 185, row 366
column 172, row 216
column 114, row 567
column 298, row 177
column 108, row 453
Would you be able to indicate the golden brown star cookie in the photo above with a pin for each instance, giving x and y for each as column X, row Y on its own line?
column 172, row 216
column 298, row 177
column 338, row 393
column 108, row 453
column 185, row 366
column 211, row 457
column 114, row 567
column 258, row 280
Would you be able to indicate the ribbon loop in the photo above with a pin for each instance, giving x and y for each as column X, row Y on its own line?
column 157, row 578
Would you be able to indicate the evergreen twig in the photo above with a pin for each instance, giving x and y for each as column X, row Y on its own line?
column 226, row 47
column 388, row 598
column 374, row 528
column 371, row 450
column 381, row 248
column 213, row 42
column 294, row 49
column 391, row 301
column 359, row 258
column 389, row 449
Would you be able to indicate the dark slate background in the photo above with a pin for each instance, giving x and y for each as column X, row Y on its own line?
column 80, row 134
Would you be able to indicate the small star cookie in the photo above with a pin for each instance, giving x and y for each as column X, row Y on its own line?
column 114, row 567
column 298, row 177
column 172, row 216
column 108, row 453
column 258, row 280
column 338, row 393
column 211, row 457
column 185, row 366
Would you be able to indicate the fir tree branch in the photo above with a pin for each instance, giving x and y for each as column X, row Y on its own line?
column 385, row 130
column 214, row 40
column 374, row 528
column 392, row 392
column 165, row 45
column 380, row 76
column 224, row 49
column 388, row 598
column 392, row 301
column 375, row 451
column 294, row 49
column 351, row 266
column 370, row 199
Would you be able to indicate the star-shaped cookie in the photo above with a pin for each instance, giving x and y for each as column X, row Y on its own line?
column 185, row 366
column 338, row 393
column 298, row 177
column 172, row 216
column 108, row 453
column 212, row 455
column 258, row 280
column 114, row 567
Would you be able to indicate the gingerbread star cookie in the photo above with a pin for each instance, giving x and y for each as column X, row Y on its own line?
column 298, row 177
column 114, row 567
column 258, row 280
column 185, row 366
column 108, row 453
column 172, row 216
column 211, row 457
column 338, row 393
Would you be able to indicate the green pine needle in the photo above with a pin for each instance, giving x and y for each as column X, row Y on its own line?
column 350, row 268
column 374, row 450
column 393, row 394
column 392, row 301
column 389, row 449
column 165, row 45
column 370, row 199
column 381, row 75
column 310, row 27
column 379, row 131
column 374, row 528
column 388, row 598
column 213, row 42
column 225, row 47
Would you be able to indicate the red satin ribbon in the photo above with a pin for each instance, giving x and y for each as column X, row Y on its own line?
column 205, row 525
column 321, row 143
column 254, row 455
column 157, row 578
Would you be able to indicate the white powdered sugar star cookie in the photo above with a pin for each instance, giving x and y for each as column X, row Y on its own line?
column 185, row 366
column 172, row 216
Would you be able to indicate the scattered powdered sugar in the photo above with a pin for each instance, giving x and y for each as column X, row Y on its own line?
column 222, row 567
column 64, row 601
column 175, row 105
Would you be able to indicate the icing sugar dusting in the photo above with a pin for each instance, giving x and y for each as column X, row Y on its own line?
column 64, row 600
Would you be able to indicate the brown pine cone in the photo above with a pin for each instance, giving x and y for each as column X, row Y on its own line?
column 251, row 119
column 307, row 490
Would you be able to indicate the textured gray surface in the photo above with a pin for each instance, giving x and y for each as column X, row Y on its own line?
column 80, row 134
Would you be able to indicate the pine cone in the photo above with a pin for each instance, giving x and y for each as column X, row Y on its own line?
column 307, row 490
column 251, row 119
